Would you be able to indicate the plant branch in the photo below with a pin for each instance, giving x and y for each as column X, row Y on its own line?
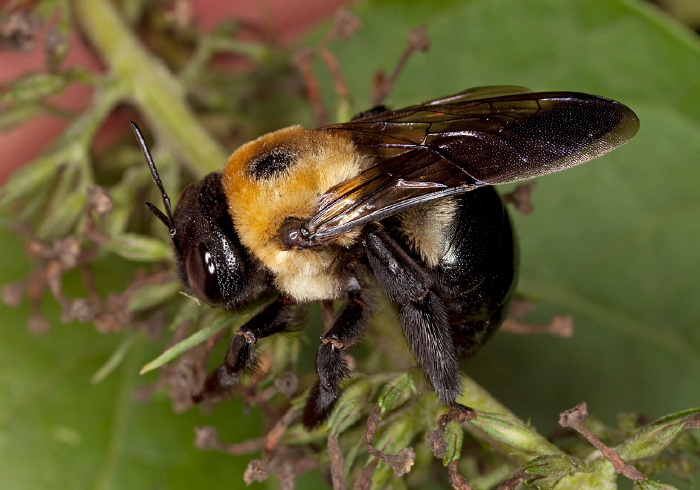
column 150, row 86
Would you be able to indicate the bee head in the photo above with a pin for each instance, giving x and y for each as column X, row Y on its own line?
column 211, row 261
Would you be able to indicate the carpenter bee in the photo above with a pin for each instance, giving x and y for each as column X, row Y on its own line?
column 398, row 199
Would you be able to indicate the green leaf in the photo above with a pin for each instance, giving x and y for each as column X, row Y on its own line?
column 511, row 432
column 398, row 391
column 115, row 359
column 27, row 180
column 220, row 322
column 658, row 435
column 454, row 434
column 351, row 406
column 547, row 471
column 150, row 295
column 139, row 248
column 654, row 485
column 33, row 87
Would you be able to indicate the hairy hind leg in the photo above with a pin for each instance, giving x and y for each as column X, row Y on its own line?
column 422, row 314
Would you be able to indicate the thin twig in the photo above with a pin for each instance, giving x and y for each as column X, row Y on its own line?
column 400, row 462
column 337, row 462
column 574, row 418
column 515, row 480
column 457, row 481
column 208, row 438
column 418, row 41
column 561, row 326
column 303, row 60
column 521, row 197
column 274, row 436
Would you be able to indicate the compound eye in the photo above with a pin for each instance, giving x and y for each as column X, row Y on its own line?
column 201, row 274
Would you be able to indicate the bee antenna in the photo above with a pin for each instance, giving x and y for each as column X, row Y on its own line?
column 166, row 219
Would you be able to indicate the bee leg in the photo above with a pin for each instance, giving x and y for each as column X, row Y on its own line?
column 240, row 356
column 347, row 329
column 422, row 314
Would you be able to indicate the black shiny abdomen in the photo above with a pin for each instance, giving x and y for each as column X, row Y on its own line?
column 477, row 275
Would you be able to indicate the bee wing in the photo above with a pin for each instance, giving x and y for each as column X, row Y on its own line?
column 455, row 144
column 479, row 93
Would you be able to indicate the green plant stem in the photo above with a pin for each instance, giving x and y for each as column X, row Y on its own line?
column 81, row 132
column 210, row 44
column 149, row 85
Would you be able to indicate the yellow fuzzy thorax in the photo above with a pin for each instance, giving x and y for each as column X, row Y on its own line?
column 259, row 205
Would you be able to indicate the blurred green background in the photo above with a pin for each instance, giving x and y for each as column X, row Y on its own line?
column 614, row 242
